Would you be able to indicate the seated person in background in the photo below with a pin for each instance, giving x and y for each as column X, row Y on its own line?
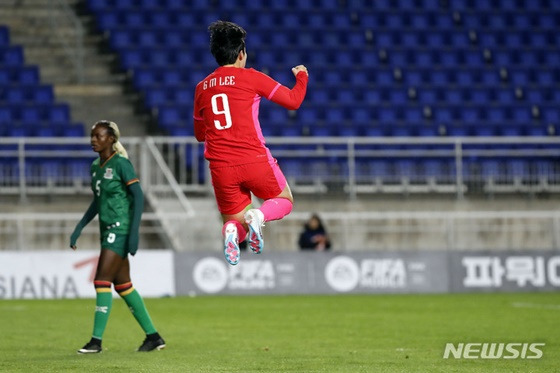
column 314, row 235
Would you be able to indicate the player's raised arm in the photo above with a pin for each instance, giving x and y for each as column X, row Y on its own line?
column 291, row 98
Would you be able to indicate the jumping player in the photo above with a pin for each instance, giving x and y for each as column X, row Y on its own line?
column 226, row 108
column 119, row 201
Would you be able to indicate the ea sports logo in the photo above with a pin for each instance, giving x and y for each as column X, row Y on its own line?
column 210, row 275
column 342, row 273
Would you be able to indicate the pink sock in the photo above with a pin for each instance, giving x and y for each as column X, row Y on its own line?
column 276, row 208
column 241, row 232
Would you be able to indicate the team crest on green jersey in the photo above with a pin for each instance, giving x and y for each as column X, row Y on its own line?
column 108, row 173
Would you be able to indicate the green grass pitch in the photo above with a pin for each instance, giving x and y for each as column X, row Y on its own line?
column 343, row 333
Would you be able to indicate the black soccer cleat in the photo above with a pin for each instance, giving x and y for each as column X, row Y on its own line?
column 92, row 347
column 152, row 342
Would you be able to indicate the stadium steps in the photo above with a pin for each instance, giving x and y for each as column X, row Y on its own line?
column 198, row 233
column 102, row 94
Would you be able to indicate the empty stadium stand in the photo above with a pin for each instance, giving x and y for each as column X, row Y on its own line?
column 386, row 68
column 383, row 69
column 28, row 109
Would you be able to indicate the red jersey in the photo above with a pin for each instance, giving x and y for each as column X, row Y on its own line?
column 226, row 113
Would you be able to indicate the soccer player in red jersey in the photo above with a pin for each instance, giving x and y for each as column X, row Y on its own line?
column 226, row 118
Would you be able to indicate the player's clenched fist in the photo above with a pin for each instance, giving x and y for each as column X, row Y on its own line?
column 299, row 68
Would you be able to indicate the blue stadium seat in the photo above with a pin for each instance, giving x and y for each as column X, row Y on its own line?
column 455, row 97
column 400, row 131
column 43, row 94
column 535, row 130
column 169, row 116
column 545, row 78
column 318, row 96
column 520, row 77
column 376, row 168
column 5, row 115
column 470, row 116
column 156, row 97
column 369, row 20
column 15, row 95
column 20, row 131
column 143, row 78
column 11, row 56
column 505, row 96
column 440, row 78
column 290, row 131
column 457, row 131
column 31, row 114
column 413, row 115
column 388, row 115
column 479, row 96
column 411, row 39
column 150, row 4
column 319, row 130
column 309, row 117
column 450, row 59
column 482, row 130
column 186, row 19
column 488, row 40
column 46, row 131
column 490, row 77
column 466, row 78
column 551, row 114
column 134, row 19
column 429, row 97
column 414, row 78
column 350, row 130
column 346, row 59
column 375, row 131
column 26, row 75
column 178, row 130
column 508, row 129
column 58, row 113
column 122, row 38
column 4, row 36
column 73, row 130
column 521, row 114
column 547, row 21
column 160, row 19
column 496, row 115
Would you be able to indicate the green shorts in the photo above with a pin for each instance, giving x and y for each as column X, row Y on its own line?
column 116, row 242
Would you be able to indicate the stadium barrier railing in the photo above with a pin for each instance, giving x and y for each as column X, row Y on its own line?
column 348, row 166
column 173, row 169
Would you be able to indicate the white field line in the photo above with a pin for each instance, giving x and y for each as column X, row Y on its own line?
column 536, row 305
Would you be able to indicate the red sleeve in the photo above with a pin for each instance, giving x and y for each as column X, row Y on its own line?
column 289, row 98
column 199, row 130
column 199, row 125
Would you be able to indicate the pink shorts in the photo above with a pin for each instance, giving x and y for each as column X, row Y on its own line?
column 233, row 185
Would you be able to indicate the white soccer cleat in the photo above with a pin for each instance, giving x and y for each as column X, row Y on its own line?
column 231, row 244
column 255, row 220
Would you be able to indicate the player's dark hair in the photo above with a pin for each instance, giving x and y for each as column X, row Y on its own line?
column 227, row 39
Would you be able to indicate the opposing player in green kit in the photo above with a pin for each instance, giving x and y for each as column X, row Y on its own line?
column 119, row 201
